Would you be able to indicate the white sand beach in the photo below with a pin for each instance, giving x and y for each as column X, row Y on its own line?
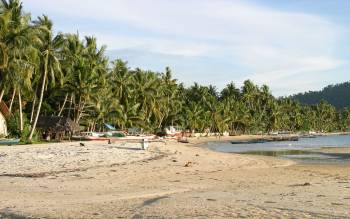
column 172, row 180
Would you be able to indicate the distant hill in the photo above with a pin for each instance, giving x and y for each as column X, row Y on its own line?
column 338, row 95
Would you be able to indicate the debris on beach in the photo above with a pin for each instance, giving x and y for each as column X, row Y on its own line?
column 303, row 184
column 188, row 164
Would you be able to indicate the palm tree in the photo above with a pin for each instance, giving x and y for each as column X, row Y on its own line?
column 230, row 91
column 49, row 61
column 72, row 53
column 5, row 21
column 19, row 37
column 87, row 76
column 4, row 24
column 33, row 59
column 121, row 80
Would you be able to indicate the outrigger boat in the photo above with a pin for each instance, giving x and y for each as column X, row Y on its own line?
column 9, row 141
column 90, row 136
column 111, row 136
column 122, row 136
column 173, row 131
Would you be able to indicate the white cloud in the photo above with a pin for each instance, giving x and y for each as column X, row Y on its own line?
column 296, row 67
column 162, row 46
column 271, row 44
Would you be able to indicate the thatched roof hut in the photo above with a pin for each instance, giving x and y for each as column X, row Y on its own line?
column 57, row 124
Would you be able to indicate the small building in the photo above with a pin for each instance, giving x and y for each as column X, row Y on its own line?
column 56, row 127
column 4, row 112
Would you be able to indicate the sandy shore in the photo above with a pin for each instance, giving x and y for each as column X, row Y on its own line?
column 171, row 180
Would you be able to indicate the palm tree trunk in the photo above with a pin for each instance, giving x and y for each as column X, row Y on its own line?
column 2, row 94
column 33, row 108
column 33, row 105
column 64, row 103
column 12, row 98
column 70, row 105
column 80, row 111
column 40, row 101
column 77, row 110
column 93, row 126
column 20, row 110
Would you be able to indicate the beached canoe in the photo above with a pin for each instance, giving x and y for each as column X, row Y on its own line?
column 9, row 141
column 267, row 139
column 307, row 136
column 90, row 136
column 256, row 141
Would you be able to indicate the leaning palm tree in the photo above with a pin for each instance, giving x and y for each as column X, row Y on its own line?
column 49, row 62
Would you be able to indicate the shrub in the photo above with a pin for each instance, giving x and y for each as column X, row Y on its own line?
column 13, row 126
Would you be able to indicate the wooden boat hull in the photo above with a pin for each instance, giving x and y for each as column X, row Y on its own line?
column 89, row 138
column 9, row 141
column 249, row 142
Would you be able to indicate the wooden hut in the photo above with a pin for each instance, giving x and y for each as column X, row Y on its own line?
column 4, row 112
column 56, row 127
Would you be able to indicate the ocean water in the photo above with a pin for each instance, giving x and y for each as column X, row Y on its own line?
column 304, row 150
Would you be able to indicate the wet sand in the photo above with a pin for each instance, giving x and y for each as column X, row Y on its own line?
column 171, row 180
column 338, row 150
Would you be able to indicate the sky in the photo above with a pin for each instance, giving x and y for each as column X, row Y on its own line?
column 291, row 45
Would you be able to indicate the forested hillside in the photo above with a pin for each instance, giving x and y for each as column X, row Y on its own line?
column 338, row 95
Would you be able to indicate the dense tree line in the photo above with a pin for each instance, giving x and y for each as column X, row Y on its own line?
column 42, row 73
column 337, row 95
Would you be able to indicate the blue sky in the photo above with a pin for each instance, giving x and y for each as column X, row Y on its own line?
column 292, row 46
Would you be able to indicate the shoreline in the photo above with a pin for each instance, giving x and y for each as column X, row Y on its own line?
column 186, row 181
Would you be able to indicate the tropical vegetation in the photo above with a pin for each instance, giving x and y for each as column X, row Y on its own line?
column 63, row 74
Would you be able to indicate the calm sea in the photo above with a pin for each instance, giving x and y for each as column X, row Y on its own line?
column 305, row 150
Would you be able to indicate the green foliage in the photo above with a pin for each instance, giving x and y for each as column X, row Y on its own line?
column 25, row 134
column 13, row 126
column 66, row 75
